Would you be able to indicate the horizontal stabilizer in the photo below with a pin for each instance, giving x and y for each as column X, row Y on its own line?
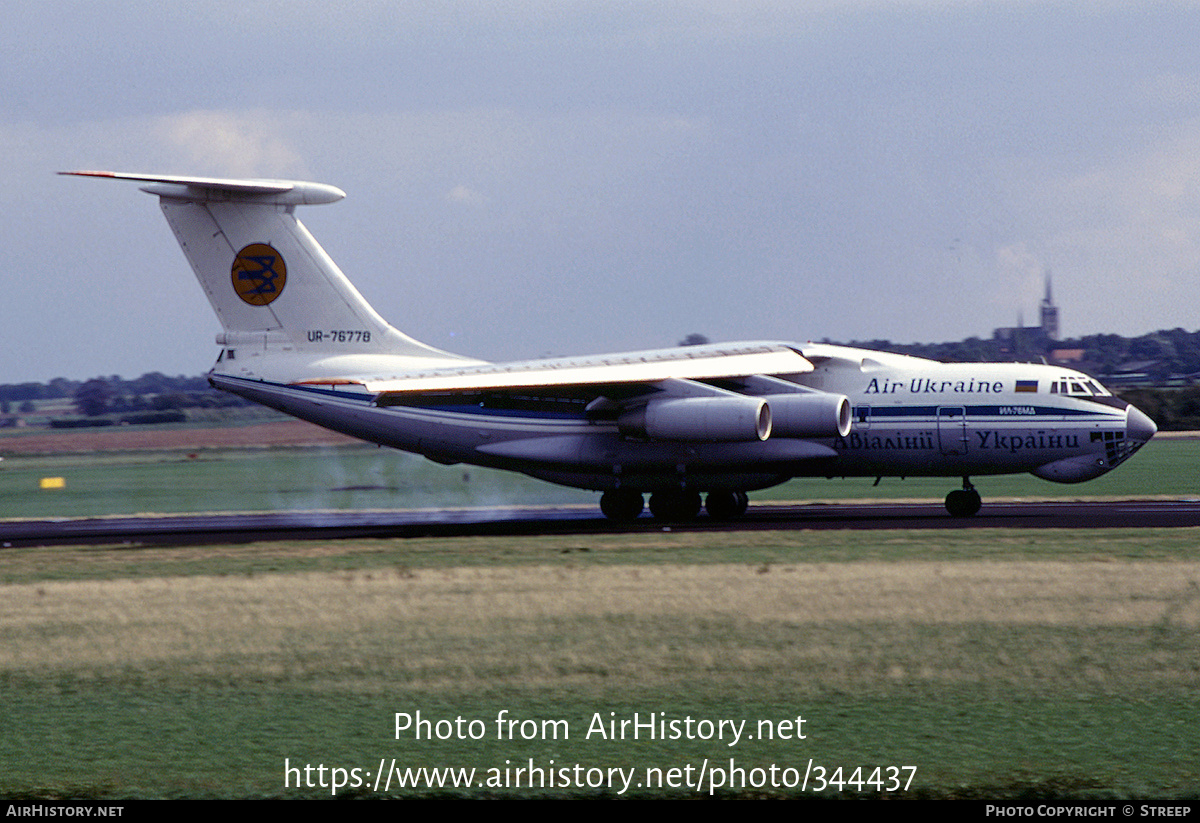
column 283, row 192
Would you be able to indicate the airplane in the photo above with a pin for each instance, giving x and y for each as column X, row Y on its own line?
column 718, row 419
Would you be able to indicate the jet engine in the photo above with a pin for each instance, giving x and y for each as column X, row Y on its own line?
column 711, row 419
column 815, row 414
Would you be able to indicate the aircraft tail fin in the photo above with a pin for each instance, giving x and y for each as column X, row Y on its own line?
column 271, row 284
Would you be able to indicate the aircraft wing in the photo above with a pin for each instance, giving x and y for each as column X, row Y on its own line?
column 670, row 394
column 648, row 367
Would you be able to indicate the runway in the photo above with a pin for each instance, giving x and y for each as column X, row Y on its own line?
column 532, row 521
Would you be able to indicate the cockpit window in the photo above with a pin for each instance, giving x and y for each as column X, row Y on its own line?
column 1078, row 388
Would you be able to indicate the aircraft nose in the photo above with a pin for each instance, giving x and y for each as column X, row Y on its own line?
column 1138, row 426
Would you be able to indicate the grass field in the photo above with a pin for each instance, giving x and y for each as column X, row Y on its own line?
column 1000, row 664
column 365, row 477
column 1061, row 664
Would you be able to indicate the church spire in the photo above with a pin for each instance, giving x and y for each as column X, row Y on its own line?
column 1049, row 313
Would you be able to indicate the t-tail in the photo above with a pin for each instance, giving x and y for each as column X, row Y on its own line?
column 287, row 310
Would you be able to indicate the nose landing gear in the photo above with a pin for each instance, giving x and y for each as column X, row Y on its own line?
column 964, row 502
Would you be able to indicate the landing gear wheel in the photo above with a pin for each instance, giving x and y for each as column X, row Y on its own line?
column 675, row 506
column 723, row 505
column 622, row 505
column 743, row 502
column 963, row 502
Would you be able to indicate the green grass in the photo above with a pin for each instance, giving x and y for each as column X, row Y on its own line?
column 364, row 477
column 761, row 550
column 280, row 479
column 1000, row 664
column 212, row 742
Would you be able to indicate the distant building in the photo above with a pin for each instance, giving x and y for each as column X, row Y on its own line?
column 1022, row 339
column 1049, row 314
column 1067, row 355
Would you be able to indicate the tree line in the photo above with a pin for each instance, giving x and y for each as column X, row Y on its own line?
column 1165, row 355
column 152, row 392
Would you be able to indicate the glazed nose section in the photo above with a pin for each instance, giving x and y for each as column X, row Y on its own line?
column 1138, row 426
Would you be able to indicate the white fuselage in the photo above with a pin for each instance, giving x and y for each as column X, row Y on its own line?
column 920, row 417
column 910, row 417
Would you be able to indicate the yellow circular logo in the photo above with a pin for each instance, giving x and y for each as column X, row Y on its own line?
column 259, row 274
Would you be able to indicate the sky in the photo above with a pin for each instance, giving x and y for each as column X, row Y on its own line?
column 556, row 177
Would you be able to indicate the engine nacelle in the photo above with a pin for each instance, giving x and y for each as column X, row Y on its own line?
column 712, row 419
column 815, row 414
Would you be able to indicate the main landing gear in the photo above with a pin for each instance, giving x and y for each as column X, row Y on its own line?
column 964, row 502
column 726, row 505
column 673, row 506
column 622, row 505
column 681, row 505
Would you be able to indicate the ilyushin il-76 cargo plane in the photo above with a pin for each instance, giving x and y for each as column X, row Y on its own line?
column 716, row 420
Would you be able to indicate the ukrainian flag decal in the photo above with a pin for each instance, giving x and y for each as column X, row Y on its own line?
column 1027, row 386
